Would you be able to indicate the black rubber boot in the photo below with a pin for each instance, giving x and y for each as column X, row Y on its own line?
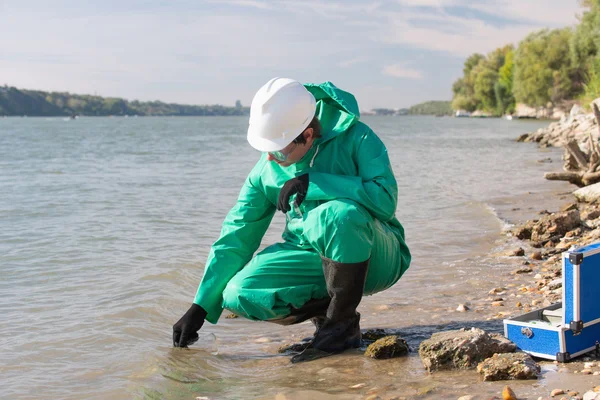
column 314, row 308
column 304, row 343
column 340, row 329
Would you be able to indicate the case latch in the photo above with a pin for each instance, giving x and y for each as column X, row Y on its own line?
column 575, row 258
column 527, row 332
column 576, row 327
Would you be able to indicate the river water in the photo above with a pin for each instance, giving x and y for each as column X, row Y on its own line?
column 105, row 225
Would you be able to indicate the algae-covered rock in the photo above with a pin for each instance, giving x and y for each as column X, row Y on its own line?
column 501, row 367
column 461, row 349
column 387, row 347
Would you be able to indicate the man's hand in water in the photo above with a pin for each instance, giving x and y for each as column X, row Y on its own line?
column 185, row 331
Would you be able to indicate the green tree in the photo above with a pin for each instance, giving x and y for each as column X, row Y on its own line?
column 505, row 101
column 585, row 42
column 485, row 79
column 543, row 71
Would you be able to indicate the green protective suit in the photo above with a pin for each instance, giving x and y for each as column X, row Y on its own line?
column 348, row 216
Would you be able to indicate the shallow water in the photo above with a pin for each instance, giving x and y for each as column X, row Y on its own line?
column 106, row 224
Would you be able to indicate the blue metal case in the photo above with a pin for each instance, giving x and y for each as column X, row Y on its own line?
column 577, row 329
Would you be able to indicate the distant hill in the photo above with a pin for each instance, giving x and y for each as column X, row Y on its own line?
column 18, row 102
column 432, row 108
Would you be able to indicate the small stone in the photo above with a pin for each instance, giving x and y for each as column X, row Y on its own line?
column 462, row 308
column 536, row 255
column 556, row 392
column 517, row 252
column 524, row 270
column 387, row 347
column 555, row 284
column 508, row 394
column 358, row 386
column 591, row 396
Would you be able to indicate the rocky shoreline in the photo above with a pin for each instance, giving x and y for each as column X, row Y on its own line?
column 535, row 258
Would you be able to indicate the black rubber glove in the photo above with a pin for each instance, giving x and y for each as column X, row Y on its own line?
column 185, row 331
column 296, row 186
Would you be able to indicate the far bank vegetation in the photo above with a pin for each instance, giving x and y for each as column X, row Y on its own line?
column 548, row 68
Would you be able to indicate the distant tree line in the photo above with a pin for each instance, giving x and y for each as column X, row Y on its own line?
column 549, row 67
column 426, row 108
column 431, row 108
column 15, row 101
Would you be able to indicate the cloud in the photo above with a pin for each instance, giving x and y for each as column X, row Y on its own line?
column 402, row 71
column 220, row 51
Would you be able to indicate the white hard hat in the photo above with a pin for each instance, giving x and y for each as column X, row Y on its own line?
column 280, row 111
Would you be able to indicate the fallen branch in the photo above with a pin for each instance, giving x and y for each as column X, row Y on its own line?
column 581, row 168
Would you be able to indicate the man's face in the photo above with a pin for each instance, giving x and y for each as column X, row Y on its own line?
column 294, row 152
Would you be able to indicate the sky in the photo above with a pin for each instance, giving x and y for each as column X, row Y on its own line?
column 389, row 54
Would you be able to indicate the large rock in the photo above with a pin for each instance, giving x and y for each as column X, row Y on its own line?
column 555, row 225
column 588, row 194
column 501, row 367
column 461, row 349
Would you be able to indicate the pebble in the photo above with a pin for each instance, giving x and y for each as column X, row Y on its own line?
column 524, row 270
column 556, row 392
column 508, row 394
column 536, row 255
column 591, row 396
column 462, row 308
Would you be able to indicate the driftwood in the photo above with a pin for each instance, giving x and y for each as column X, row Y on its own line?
column 581, row 169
